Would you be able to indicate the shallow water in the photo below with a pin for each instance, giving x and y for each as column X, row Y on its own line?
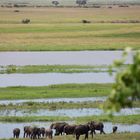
column 7, row 128
column 65, row 112
column 44, row 79
column 61, row 58
column 54, row 100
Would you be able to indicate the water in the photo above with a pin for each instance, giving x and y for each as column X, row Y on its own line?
column 7, row 128
column 122, row 127
column 61, row 58
column 44, row 79
column 54, row 100
column 66, row 112
column 10, row 126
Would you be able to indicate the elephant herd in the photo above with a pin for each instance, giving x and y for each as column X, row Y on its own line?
column 33, row 132
column 62, row 128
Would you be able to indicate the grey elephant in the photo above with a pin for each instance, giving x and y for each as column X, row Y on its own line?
column 59, row 127
column 96, row 126
column 49, row 133
column 27, row 131
column 114, row 129
column 25, row 21
column 69, row 129
column 36, row 133
column 81, row 130
column 42, row 131
column 16, row 132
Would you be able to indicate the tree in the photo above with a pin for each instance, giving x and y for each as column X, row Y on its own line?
column 55, row 2
column 127, row 84
column 81, row 2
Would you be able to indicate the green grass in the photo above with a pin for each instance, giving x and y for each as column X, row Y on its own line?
column 54, row 106
column 69, row 37
column 53, row 68
column 122, row 35
column 33, row 118
column 117, row 136
column 66, row 28
column 129, row 119
column 61, row 29
column 55, row 91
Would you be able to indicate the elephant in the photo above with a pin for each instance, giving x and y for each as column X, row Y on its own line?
column 16, row 133
column 85, row 21
column 27, row 131
column 42, row 131
column 25, row 21
column 69, row 129
column 59, row 126
column 49, row 133
column 81, row 130
column 35, row 133
column 114, row 129
column 96, row 126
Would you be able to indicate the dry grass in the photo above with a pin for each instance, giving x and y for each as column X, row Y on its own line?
column 46, row 33
column 63, row 15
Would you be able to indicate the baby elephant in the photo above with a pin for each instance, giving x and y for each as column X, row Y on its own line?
column 16, row 133
column 49, row 133
column 114, row 129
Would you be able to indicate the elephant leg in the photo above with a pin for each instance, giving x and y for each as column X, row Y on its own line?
column 24, row 135
column 31, row 136
column 27, row 135
column 50, row 136
column 102, row 131
column 77, row 137
column 39, row 136
column 91, row 133
column 86, row 136
column 94, row 132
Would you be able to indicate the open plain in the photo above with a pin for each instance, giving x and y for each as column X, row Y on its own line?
column 55, row 29
column 62, row 29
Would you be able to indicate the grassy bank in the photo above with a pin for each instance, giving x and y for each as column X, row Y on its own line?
column 117, row 136
column 53, row 106
column 130, row 119
column 53, row 68
column 55, row 91
column 71, row 37
column 33, row 119
column 45, row 33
